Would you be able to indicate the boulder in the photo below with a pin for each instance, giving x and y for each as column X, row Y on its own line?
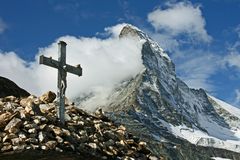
column 51, row 144
column 13, row 125
column 4, row 118
column 48, row 97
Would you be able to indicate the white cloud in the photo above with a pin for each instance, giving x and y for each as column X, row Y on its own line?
column 16, row 69
column 104, row 62
column 3, row 26
column 233, row 58
column 180, row 18
column 114, row 31
column 196, row 70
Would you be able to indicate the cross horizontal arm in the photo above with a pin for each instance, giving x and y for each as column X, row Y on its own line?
column 49, row 62
column 55, row 64
column 74, row 70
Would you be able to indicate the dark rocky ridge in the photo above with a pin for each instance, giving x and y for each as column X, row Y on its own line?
column 9, row 88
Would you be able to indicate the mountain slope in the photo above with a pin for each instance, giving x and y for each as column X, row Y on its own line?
column 161, row 108
column 9, row 88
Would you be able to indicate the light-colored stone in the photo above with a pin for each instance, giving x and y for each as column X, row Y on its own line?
column 4, row 118
column 66, row 132
column 51, row 144
column 56, row 130
column 23, row 114
column 13, row 125
column 28, row 147
column 153, row 158
column 120, row 144
column 37, row 101
column 59, row 139
column 9, row 98
column 130, row 141
column 6, row 148
column 16, row 141
column 32, row 130
column 32, row 140
column 34, row 146
column 2, row 134
column 99, row 113
column 142, row 144
column 58, row 149
column 41, row 127
column 37, row 121
column 19, row 147
column 113, row 150
column 22, row 135
column 8, row 107
column 43, row 147
column 30, row 126
column 9, row 137
column 108, row 152
column 67, row 117
column 41, row 136
column 44, row 108
column 29, row 108
column 92, row 145
column 48, row 97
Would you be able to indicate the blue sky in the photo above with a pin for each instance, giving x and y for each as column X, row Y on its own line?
column 201, row 37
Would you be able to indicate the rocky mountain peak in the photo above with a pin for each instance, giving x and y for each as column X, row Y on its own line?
column 129, row 30
column 162, row 105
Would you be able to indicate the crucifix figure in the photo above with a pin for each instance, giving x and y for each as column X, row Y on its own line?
column 63, row 68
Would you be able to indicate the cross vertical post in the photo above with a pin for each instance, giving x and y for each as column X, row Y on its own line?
column 63, row 68
column 62, row 81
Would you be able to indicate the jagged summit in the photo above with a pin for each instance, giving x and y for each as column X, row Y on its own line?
column 129, row 30
column 133, row 31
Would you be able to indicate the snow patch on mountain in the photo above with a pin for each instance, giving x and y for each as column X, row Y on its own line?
column 215, row 136
column 219, row 158
column 231, row 109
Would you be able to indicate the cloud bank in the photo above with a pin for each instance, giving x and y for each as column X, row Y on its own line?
column 180, row 18
column 105, row 63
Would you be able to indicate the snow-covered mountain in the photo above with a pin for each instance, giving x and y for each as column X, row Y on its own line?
column 160, row 108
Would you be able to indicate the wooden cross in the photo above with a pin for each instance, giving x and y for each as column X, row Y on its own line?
column 63, row 68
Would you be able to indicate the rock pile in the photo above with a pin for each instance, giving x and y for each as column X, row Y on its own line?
column 31, row 124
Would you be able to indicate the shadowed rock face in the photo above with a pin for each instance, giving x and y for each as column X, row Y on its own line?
column 9, row 88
